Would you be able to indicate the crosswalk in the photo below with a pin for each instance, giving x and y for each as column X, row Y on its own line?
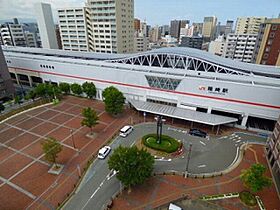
column 234, row 138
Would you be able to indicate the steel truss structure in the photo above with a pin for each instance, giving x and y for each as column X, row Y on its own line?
column 175, row 61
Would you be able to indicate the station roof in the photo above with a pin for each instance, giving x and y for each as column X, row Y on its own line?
column 181, row 113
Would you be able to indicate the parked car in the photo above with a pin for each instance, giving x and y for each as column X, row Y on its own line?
column 197, row 132
column 126, row 130
column 103, row 152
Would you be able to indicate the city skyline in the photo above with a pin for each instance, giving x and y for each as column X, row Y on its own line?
column 166, row 9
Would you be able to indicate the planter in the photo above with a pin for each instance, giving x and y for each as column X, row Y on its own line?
column 56, row 169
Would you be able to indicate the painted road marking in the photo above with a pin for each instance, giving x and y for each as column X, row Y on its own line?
column 162, row 159
column 201, row 166
column 202, row 143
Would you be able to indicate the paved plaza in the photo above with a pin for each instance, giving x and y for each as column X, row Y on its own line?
column 24, row 178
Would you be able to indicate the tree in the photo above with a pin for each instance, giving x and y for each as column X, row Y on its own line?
column 64, row 87
column 41, row 90
column 76, row 89
column 31, row 95
column 89, row 89
column 17, row 100
column 254, row 179
column 133, row 166
column 2, row 107
column 90, row 118
column 51, row 148
column 114, row 100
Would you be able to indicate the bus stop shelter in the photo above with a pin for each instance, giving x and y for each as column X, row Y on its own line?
column 181, row 113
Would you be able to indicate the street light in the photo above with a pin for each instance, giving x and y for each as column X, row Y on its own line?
column 159, row 127
column 188, row 160
column 72, row 137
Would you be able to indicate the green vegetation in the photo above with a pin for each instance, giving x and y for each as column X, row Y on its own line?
column 254, row 179
column 90, row 118
column 133, row 166
column 31, row 95
column 76, row 89
column 51, row 148
column 64, row 87
column 89, row 89
column 167, row 144
column 114, row 100
column 248, row 198
column 2, row 107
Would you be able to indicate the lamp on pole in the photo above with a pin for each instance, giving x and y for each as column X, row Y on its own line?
column 159, row 127
column 72, row 137
column 188, row 160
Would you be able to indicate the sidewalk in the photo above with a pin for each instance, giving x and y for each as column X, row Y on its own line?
column 160, row 190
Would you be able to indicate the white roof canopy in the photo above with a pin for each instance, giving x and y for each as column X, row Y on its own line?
column 181, row 113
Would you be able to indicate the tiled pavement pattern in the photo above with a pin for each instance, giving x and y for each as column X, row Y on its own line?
column 24, row 180
column 163, row 189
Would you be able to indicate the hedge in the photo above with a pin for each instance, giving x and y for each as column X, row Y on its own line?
column 168, row 144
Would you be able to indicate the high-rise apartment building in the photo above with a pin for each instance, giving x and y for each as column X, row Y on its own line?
column 75, row 29
column 154, row 34
column 273, row 153
column 175, row 26
column 12, row 34
column 46, row 25
column 6, row 85
column 141, row 42
column 248, row 25
column 209, row 28
column 144, row 28
column 184, row 23
column 30, row 39
column 229, row 27
column 164, row 30
column 112, row 25
column 267, row 50
column 240, row 47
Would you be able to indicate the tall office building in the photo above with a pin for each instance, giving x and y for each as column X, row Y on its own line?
column 267, row 50
column 46, row 25
column 175, row 26
column 240, row 47
column 209, row 28
column 144, row 29
column 184, row 23
column 141, row 42
column 248, row 25
column 229, row 27
column 154, row 34
column 216, row 47
column 6, row 85
column 164, row 30
column 197, row 29
column 30, row 39
column 75, row 29
column 273, row 153
column 113, row 25
column 12, row 34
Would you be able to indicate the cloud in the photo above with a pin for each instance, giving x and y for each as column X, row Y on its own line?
column 25, row 8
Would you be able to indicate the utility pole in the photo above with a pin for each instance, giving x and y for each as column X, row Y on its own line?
column 188, row 160
column 159, row 127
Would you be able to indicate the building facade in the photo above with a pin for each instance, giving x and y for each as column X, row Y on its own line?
column 6, row 86
column 240, row 47
column 192, row 42
column 46, row 25
column 175, row 26
column 273, row 153
column 141, row 42
column 267, row 49
column 248, row 25
column 209, row 28
column 12, row 34
column 75, row 29
column 217, row 47
column 184, row 77
column 112, row 25
column 197, row 29
column 30, row 39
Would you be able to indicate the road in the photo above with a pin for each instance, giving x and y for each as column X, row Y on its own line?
column 208, row 155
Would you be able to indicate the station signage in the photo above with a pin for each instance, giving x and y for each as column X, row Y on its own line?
column 214, row 90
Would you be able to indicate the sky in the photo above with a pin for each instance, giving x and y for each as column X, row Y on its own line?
column 158, row 12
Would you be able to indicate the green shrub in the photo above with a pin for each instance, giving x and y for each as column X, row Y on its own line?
column 248, row 198
column 168, row 144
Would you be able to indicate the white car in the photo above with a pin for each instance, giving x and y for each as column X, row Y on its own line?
column 103, row 152
column 126, row 130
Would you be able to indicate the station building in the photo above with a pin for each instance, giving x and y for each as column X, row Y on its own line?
column 184, row 78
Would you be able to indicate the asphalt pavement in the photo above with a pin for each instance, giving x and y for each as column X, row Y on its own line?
column 208, row 155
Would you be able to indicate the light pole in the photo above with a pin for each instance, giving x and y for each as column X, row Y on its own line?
column 188, row 160
column 159, row 127
column 72, row 137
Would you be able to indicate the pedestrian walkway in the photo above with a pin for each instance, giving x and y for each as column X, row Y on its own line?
column 160, row 190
